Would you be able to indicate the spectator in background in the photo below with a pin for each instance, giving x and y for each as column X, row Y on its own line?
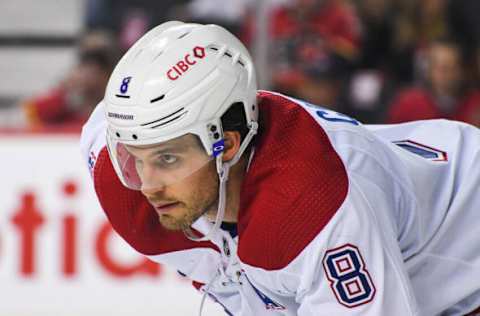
column 319, row 34
column 465, row 24
column 230, row 16
column 404, row 28
column 129, row 19
column 443, row 94
column 319, row 80
column 69, row 103
column 377, row 21
column 432, row 21
column 373, row 79
column 431, row 24
column 395, row 51
column 333, row 22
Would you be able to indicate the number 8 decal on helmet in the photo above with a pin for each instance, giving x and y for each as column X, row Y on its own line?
column 349, row 279
column 124, row 85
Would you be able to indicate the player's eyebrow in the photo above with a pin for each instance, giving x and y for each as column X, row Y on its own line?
column 168, row 149
column 173, row 146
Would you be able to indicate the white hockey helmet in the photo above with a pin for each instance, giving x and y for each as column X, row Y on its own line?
column 178, row 79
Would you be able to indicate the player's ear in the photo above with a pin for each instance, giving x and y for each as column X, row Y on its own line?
column 232, row 144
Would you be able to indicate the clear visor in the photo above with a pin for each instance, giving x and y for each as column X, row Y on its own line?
column 162, row 164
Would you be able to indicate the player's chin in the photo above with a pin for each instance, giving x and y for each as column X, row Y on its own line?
column 169, row 222
column 177, row 222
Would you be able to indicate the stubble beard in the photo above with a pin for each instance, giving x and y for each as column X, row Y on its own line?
column 202, row 200
column 182, row 222
column 187, row 218
column 201, row 203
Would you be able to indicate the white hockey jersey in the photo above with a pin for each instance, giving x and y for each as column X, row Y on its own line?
column 336, row 218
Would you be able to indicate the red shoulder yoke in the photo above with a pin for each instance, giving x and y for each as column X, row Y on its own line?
column 295, row 185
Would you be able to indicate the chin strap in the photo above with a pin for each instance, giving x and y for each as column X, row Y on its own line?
column 223, row 169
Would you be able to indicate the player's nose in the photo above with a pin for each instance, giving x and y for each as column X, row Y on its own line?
column 152, row 190
column 151, row 181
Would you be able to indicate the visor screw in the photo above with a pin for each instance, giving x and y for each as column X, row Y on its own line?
column 216, row 135
column 213, row 128
column 118, row 134
column 134, row 136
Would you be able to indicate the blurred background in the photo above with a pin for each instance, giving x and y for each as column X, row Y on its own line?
column 380, row 61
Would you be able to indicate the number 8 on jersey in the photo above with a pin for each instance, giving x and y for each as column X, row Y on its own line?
column 349, row 279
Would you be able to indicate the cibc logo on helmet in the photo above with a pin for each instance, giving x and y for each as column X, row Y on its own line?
column 184, row 65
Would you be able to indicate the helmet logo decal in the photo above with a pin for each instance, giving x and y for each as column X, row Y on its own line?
column 186, row 63
column 120, row 116
column 218, row 147
column 199, row 52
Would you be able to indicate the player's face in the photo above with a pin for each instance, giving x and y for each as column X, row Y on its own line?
column 177, row 203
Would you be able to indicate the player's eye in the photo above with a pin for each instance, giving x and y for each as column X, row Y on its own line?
column 167, row 161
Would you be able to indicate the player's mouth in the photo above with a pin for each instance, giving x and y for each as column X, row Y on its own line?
column 163, row 208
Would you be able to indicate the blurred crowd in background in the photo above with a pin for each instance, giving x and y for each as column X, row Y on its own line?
column 380, row 61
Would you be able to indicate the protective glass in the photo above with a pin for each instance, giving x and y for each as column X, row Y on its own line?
column 158, row 165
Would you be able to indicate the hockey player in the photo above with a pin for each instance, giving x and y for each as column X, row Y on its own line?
column 274, row 206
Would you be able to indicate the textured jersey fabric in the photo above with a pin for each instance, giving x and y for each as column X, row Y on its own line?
column 295, row 184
